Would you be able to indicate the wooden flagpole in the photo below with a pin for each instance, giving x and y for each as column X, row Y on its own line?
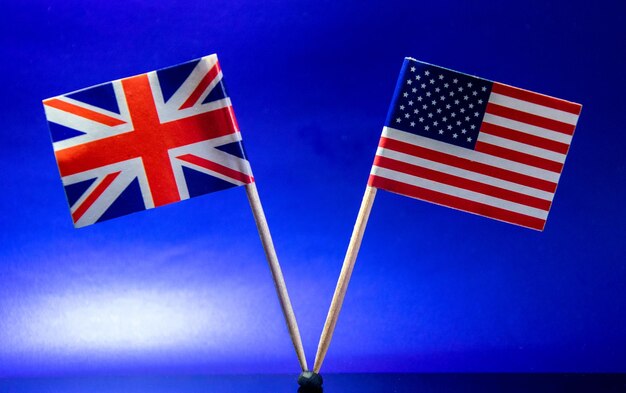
column 344, row 276
column 277, row 274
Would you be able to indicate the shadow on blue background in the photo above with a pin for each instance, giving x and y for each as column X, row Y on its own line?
column 186, row 289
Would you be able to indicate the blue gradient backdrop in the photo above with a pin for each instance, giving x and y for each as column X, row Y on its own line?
column 185, row 288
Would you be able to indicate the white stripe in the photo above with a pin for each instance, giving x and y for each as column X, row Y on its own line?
column 208, row 151
column 521, row 147
column 527, row 128
column 209, row 88
column 105, row 200
column 171, row 112
column 191, row 83
column 459, row 192
column 466, row 174
column 130, row 169
column 473, row 155
column 535, row 109
column 93, row 130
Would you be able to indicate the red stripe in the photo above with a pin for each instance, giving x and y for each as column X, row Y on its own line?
column 242, row 177
column 95, row 194
column 517, row 156
column 531, row 119
column 460, row 182
column 204, row 83
column 82, row 112
column 456, row 202
column 536, row 98
column 467, row 164
column 522, row 137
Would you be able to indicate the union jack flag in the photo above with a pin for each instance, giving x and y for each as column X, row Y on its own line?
column 146, row 141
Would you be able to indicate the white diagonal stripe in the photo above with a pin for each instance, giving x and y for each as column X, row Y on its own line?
column 473, row 155
column 535, row 109
column 459, row 192
column 521, row 147
column 527, row 128
column 464, row 173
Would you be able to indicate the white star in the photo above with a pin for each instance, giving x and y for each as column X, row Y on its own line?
column 462, row 110
column 424, row 106
column 416, row 111
column 455, row 135
column 405, row 95
column 484, row 88
column 426, row 128
column 430, row 115
column 414, row 90
column 440, row 77
column 434, row 102
column 455, row 80
column 412, row 124
column 432, row 81
column 443, row 98
column 417, row 77
column 408, row 82
column 457, row 102
column 398, row 120
column 421, row 119
column 445, row 119
column 435, row 123
column 401, row 107
column 449, row 127
column 451, row 94
column 438, row 110
column 460, row 89
column 476, row 114
column 474, row 93
column 469, row 139
column 465, row 97
column 419, row 98
column 480, row 101
column 458, row 122
column 427, row 94
column 423, row 85
column 437, row 90
column 440, row 132
column 469, row 84
column 453, row 114
column 473, row 127
column 410, row 102
column 448, row 107
column 471, row 106
column 446, row 85
column 412, row 69
column 467, row 118
column 464, row 131
column 406, row 115
column 427, row 73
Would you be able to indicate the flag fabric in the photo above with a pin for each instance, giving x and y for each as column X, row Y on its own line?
column 146, row 141
column 474, row 145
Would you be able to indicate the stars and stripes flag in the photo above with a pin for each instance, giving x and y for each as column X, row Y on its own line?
column 474, row 145
column 146, row 141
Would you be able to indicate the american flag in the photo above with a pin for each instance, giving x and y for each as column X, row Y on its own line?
column 146, row 141
column 474, row 145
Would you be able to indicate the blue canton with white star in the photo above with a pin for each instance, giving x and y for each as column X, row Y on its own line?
column 438, row 103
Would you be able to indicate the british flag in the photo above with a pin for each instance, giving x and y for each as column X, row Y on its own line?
column 146, row 141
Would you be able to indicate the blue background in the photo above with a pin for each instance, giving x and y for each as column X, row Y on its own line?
column 185, row 288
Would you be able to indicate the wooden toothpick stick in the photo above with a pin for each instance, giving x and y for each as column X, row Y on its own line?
column 277, row 274
column 344, row 276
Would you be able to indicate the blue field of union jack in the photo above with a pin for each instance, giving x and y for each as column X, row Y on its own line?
column 146, row 141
